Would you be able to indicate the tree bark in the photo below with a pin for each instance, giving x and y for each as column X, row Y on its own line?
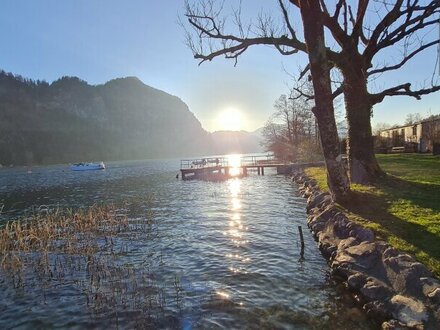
column 363, row 166
column 324, row 111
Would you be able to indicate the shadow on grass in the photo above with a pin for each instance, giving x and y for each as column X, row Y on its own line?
column 421, row 194
column 375, row 208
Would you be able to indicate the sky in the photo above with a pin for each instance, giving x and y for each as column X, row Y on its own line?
column 99, row 40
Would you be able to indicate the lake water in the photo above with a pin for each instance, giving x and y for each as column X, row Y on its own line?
column 217, row 255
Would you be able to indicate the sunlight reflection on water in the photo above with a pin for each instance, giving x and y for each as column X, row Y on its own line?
column 234, row 161
column 213, row 255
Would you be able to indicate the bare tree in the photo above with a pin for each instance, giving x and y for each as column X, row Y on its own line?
column 363, row 33
column 362, row 30
column 290, row 132
column 210, row 39
column 413, row 118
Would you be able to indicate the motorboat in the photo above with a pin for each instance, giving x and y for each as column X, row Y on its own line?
column 87, row 166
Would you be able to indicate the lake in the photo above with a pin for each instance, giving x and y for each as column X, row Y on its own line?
column 217, row 255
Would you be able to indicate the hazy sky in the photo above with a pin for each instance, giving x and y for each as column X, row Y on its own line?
column 98, row 40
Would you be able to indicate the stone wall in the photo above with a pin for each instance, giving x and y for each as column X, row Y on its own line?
column 391, row 285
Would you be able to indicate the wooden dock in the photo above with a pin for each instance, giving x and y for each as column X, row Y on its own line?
column 221, row 168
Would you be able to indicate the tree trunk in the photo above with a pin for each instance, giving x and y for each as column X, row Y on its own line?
column 324, row 112
column 363, row 166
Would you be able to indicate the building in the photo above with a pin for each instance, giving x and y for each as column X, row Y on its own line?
column 423, row 136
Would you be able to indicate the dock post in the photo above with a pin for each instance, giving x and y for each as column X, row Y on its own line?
column 262, row 170
column 244, row 171
column 258, row 169
column 301, row 258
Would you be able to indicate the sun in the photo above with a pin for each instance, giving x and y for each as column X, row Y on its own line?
column 229, row 120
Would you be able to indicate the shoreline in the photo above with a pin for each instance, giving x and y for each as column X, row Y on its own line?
column 392, row 286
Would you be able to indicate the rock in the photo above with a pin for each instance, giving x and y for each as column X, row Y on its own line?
column 404, row 274
column 326, row 245
column 343, row 271
column 313, row 183
column 357, row 281
column 431, row 288
column 435, row 296
column 346, row 243
column 408, row 311
column 390, row 252
column 320, row 200
column 361, row 233
column 394, row 325
column 319, row 222
column 363, row 256
column 393, row 284
column 376, row 309
column 339, row 226
column 376, row 290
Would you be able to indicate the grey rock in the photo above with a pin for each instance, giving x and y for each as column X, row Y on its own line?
column 320, row 200
column 390, row 252
column 339, row 226
column 435, row 296
column 376, row 309
column 404, row 274
column 431, row 288
column 357, row 281
column 376, row 290
column 408, row 311
column 361, row 233
column 363, row 256
column 348, row 242
column 394, row 325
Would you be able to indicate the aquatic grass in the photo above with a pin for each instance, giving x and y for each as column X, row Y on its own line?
column 61, row 231
column 403, row 208
column 89, row 248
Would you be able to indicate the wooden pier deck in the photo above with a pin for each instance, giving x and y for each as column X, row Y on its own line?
column 220, row 168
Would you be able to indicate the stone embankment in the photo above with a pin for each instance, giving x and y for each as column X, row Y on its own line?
column 391, row 285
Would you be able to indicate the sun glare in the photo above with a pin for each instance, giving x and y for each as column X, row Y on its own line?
column 230, row 120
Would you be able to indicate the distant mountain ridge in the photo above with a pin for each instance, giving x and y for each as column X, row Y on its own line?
column 70, row 120
column 226, row 142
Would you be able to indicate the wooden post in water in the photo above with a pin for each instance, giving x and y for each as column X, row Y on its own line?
column 258, row 169
column 301, row 237
column 262, row 170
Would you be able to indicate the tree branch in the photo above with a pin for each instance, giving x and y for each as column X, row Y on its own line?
column 358, row 25
column 405, row 59
column 286, row 19
column 231, row 46
column 309, row 97
column 402, row 90
column 414, row 21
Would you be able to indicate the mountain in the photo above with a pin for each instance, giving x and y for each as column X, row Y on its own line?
column 226, row 142
column 72, row 121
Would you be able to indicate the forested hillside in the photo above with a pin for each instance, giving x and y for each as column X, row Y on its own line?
column 70, row 120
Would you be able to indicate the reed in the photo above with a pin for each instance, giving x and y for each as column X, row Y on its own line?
column 90, row 249
column 60, row 231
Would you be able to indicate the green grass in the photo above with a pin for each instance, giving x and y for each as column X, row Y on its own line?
column 403, row 208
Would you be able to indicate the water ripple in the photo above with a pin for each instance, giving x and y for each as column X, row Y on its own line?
column 230, row 248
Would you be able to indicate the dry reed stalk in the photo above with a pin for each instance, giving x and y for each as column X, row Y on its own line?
column 64, row 232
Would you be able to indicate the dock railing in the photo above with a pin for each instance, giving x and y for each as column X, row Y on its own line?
column 244, row 161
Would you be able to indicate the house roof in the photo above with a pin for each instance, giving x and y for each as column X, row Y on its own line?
column 411, row 125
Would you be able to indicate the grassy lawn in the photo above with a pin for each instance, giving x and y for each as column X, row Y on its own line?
column 404, row 208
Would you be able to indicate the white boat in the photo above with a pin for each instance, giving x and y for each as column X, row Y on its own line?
column 87, row 166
